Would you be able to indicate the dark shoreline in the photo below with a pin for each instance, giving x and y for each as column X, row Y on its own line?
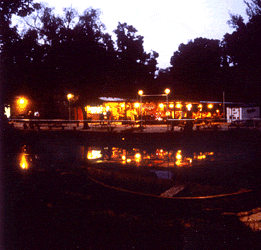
column 225, row 136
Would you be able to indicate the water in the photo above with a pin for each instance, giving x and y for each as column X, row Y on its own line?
column 51, row 202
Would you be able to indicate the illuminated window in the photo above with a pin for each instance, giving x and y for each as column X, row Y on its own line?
column 8, row 112
column 94, row 110
column 137, row 156
column 179, row 155
column 178, row 105
column 161, row 105
column 94, row 154
column 189, row 106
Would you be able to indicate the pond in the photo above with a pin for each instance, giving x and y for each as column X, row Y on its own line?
column 175, row 172
column 78, row 193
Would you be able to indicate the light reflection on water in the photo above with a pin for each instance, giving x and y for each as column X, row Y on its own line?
column 25, row 160
column 158, row 157
column 202, row 173
column 178, row 170
column 166, row 158
column 24, row 163
column 184, row 172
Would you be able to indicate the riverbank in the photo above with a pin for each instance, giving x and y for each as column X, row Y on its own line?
column 222, row 138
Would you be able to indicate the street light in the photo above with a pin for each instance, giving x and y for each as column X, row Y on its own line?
column 167, row 91
column 22, row 103
column 140, row 94
column 210, row 106
column 69, row 97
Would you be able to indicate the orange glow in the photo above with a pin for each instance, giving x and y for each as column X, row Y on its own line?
column 70, row 96
column 167, row 91
column 22, row 103
column 137, row 156
column 94, row 110
column 178, row 106
column 171, row 105
column 178, row 155
column 23, row 162
column 94, row 154
column 136, row 104
column 161, row 105
column 201, row 156
column 210, row 106
column 140, row 92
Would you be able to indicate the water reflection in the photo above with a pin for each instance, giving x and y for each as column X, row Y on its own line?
column 201, row 172
column 24, row 163
column 157, row 157
column 25, row 160
column 174, row 172
column 94, row 154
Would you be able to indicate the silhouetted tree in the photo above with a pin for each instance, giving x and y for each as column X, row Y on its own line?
column 135, row 67
column 195, row 66
column 162, row 81
column 243, row 49
column 73, row 53
column 8, row 37
column 253, row 8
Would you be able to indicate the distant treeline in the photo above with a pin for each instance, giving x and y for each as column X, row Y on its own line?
column 56, row 55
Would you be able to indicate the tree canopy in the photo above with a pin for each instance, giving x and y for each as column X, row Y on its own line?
column 194, row 67
column 73, row 53
column 8, row 37
column 243, row 49
column 135, row 67
column 204, row 68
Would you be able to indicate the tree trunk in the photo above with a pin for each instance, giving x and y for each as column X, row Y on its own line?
column 85, row 122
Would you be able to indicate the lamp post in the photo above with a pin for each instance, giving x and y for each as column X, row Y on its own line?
column 167, row 91
column 69, row 97
column 22, row 103
column 140, row 94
